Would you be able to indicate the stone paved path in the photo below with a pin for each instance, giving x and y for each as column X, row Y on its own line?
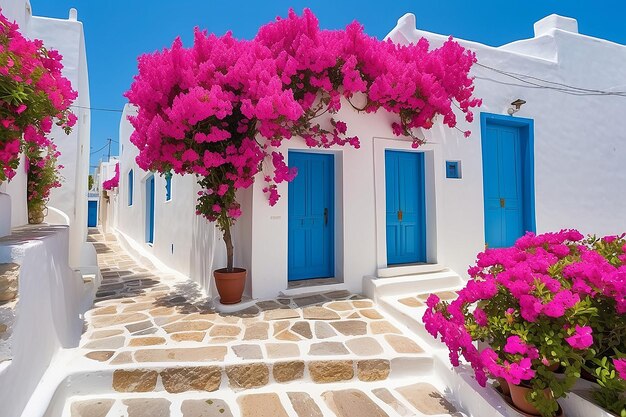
column 162, row 350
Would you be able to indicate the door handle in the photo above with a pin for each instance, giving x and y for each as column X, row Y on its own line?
column 325, row 216
column 502, row 201
column 399, row 215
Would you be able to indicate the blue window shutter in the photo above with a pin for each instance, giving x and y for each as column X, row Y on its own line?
column 452, row 169
column 168, row 187
column 130, row 187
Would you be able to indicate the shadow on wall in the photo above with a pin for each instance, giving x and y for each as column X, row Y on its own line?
column 205, row 237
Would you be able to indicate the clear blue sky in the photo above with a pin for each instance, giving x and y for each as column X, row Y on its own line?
column 117, row 31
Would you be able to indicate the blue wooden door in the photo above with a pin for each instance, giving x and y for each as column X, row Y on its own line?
column 92, row 213
column 311, row 217
column 150, row 209
column 502, row 181
column 406, row 211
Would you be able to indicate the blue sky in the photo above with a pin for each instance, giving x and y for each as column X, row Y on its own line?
column 117, row 31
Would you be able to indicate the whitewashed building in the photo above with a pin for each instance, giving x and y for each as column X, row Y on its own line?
column 552, row 160
column 68, row 204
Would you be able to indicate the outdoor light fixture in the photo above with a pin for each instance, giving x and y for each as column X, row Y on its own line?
column 515, row 106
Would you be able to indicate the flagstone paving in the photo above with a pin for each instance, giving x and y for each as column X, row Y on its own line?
column 168, row 352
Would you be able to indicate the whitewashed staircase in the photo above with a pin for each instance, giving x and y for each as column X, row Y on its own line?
column 403, row 297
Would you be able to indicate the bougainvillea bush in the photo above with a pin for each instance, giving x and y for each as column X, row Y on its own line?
column 222, row 108
column 114, row 181
column 551, row 300
column 43, row 176
column 33, row 95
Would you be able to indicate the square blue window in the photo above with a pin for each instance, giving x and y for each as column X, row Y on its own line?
column 453, row 169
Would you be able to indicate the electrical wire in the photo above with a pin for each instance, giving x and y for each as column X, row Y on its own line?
column 97, row 109
column 563, row 88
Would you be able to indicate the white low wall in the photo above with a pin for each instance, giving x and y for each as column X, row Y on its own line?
column 52, row 298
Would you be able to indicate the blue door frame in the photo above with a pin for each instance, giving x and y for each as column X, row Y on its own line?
column 92, row 213
column 508, row 178
column 311, row 217
column 405, row 207
column 150, row 209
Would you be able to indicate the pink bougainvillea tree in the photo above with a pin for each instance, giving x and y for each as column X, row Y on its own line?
column 33, row 96
column 113, row 182
column 221, row 108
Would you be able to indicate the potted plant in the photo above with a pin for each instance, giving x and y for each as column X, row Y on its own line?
column 222, row 109
column 532, row 314
column 600, row 272
column 43, row 176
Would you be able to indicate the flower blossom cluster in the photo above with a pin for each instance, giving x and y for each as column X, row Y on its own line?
column 223, row 107
column 553, row 283
column 113, row 182
column 35, row 95
column 43, row 174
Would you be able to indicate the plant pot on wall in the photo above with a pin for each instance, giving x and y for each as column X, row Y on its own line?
column 519, row 397
column 230, row 285
column 37, row 215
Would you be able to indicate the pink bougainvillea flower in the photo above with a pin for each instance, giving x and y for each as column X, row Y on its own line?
column 582, row 338
column 620, row 367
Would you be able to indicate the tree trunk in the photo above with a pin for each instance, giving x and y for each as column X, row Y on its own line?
column 229, row 249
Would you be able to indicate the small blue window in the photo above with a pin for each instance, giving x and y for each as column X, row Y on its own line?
column 168, row 186
column 453, row 169
column 130, row 187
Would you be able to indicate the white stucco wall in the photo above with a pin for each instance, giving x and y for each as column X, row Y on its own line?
column 579, row 143
column 182, row 240
column 52, row 298
column 67, row 36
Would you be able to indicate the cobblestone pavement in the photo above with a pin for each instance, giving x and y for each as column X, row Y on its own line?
column 168, row 352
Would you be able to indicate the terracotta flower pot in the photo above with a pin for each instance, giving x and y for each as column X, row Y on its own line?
column 519, row 397
column 230, row 285
column 504, row 386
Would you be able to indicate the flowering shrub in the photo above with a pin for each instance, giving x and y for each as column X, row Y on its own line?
column 43, row 176
column 33, row 95
column 222, row 108
column 551, row 300
column 113, row 182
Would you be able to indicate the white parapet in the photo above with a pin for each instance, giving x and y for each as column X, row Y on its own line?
column 554, row 21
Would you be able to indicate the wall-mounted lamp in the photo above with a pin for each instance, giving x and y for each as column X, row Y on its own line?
column 515, row 106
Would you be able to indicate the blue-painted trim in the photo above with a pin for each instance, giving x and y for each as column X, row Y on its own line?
column 421, row 220
column 92, row 213
column 527, row 136
column 293, row 155
column 131, row 180
column 168, row 186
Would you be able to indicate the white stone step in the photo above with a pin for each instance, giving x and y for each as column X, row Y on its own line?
column 375, row 287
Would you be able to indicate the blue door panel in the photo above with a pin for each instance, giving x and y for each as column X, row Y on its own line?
column 311, row 217
column 406, row 231
column 92, row 213
column 502, row 181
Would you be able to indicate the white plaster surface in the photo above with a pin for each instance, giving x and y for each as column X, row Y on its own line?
column 67, row 37
column 5, row 214
column 51, row 299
